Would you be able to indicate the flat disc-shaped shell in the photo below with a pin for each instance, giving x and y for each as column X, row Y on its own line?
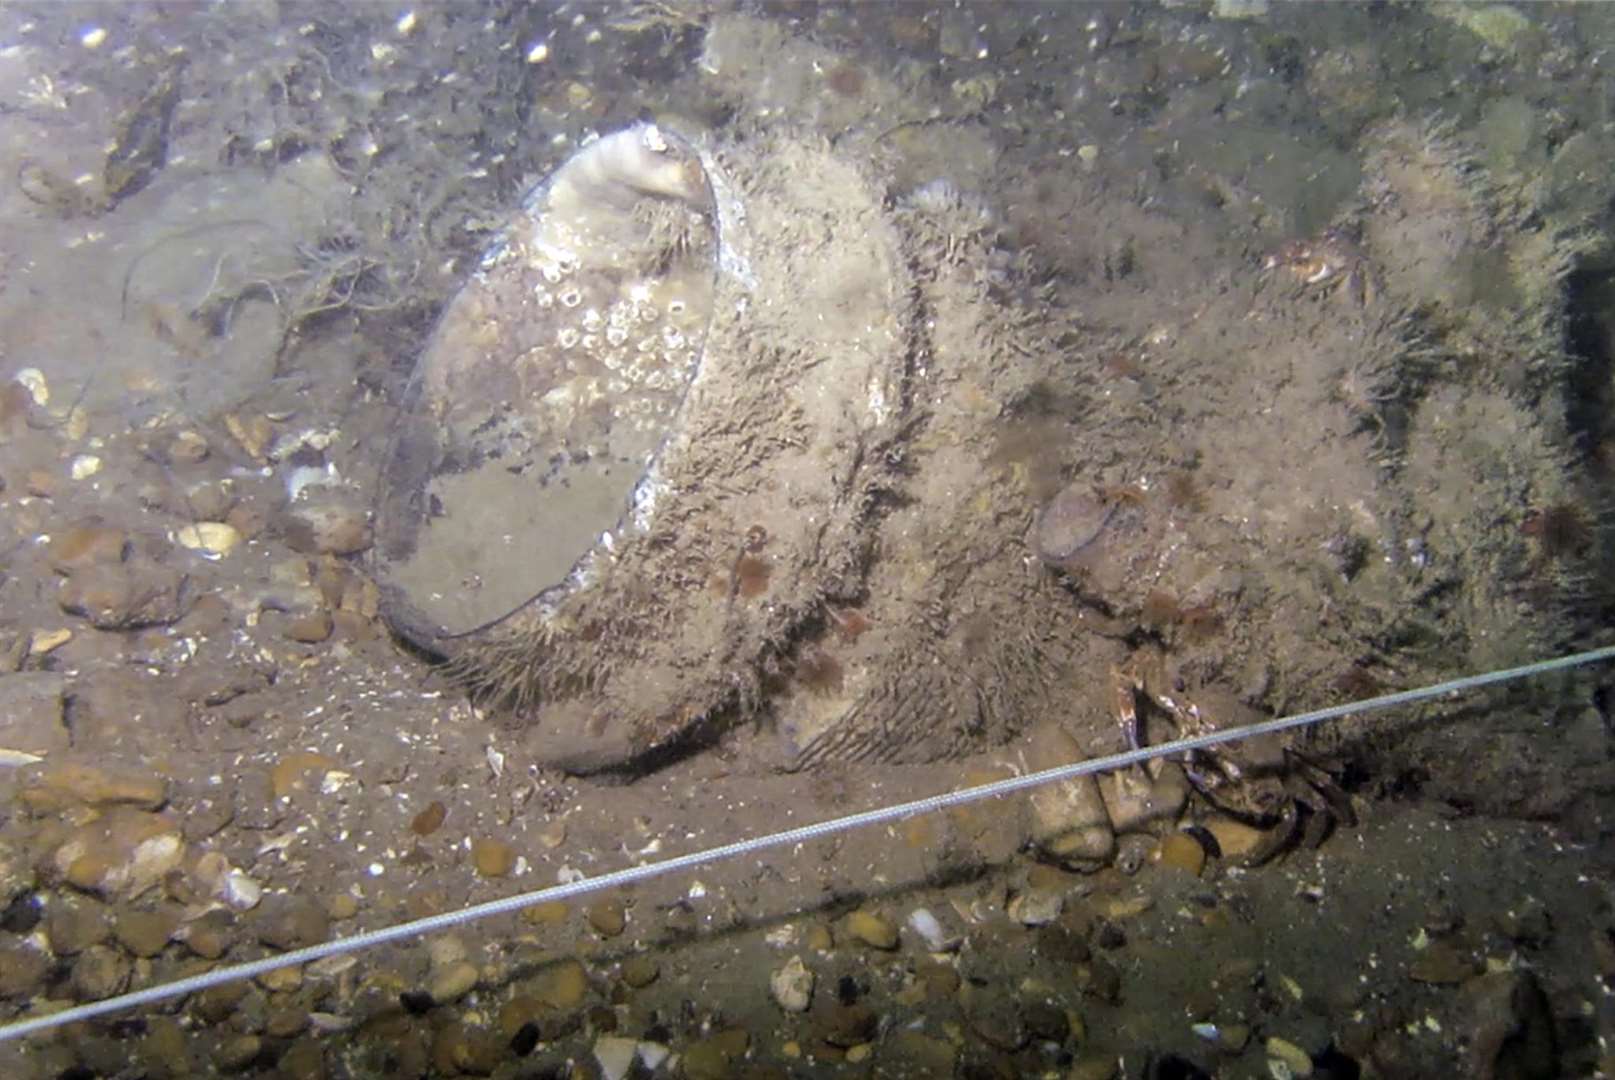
column 549, row 387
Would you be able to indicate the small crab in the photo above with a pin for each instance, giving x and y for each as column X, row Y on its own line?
column 1260, row 780
column 1331, row 261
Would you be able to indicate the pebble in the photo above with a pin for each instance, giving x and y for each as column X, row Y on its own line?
column 615, row 1056
column 124, row 597
column 1070, row 824
column 310, row 629
column 847, row 1025
column 607, row 917
column 710, row 1058
column 58, row 786
column 428, row 821
column 1235, row 839
column 186, row 448
column 492, row 858
column 252, row 433
column 342, row 905
column 1069, row 525
column 90, row 542
column 286, row 921
column 1182, row 852
column 930, row 930
column 792, row 986
column 214, row 539
column 286, row 980
column 326, row 526
column 302, row 770
column 74, row 923
column 1036, row 907
column 285, row 1022
column 210, row 936
column 100, row 971
column 461, row 1048
column 146, row 933
column 238, row 1053
column 562, row 986
column 44, row 642
column 995, row 1016
column 1297, row 1060
column 549, row 913
column 1134, row 803
column 1132, row 852
column 453, row 982
column 640, row 971
column 122, row 853
column 164, row 1050
column 22, row 966
column 872, row 930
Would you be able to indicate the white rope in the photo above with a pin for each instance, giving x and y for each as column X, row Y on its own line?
column 802, row 834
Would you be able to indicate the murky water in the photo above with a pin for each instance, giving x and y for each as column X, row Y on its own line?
column 1070, row 375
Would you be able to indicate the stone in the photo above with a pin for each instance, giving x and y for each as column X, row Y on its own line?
column 286, row 921
column 562, row 986
column 145, row 933
column 607, row 917
column 238, row 1053
column 299, row 771
column 74, row 923
column 285, row 1022
column 640, row 971
column 1135, row 802
column 61, row 785
column 122, row 853
column 871, row 929
column 1070, row 824
column 996, row 1016
column 494, row 858
column 847, row 1025
column 1182, row 852
column 22, row 967
column 1036, row 907
column 310, row 629
column 213, row 539
column 100, row 972
column 461, row 1048
column 210, row 936
column 89, row 542
column 1235, row 839
column 792, row 986
column 1296, row 1061
column 615, row 1056
column 327, row 525
column 31, row 713
column 125, row 596
column 453, row 982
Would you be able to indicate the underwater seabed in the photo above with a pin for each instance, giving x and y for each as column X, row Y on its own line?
column 451, row 452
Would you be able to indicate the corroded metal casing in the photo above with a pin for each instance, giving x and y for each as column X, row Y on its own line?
column 642, row 444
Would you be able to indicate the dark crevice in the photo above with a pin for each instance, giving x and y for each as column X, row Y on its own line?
column 1589, row 338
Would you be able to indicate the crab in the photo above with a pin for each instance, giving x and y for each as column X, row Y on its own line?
column 1260, row 781
column 1331, row 261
